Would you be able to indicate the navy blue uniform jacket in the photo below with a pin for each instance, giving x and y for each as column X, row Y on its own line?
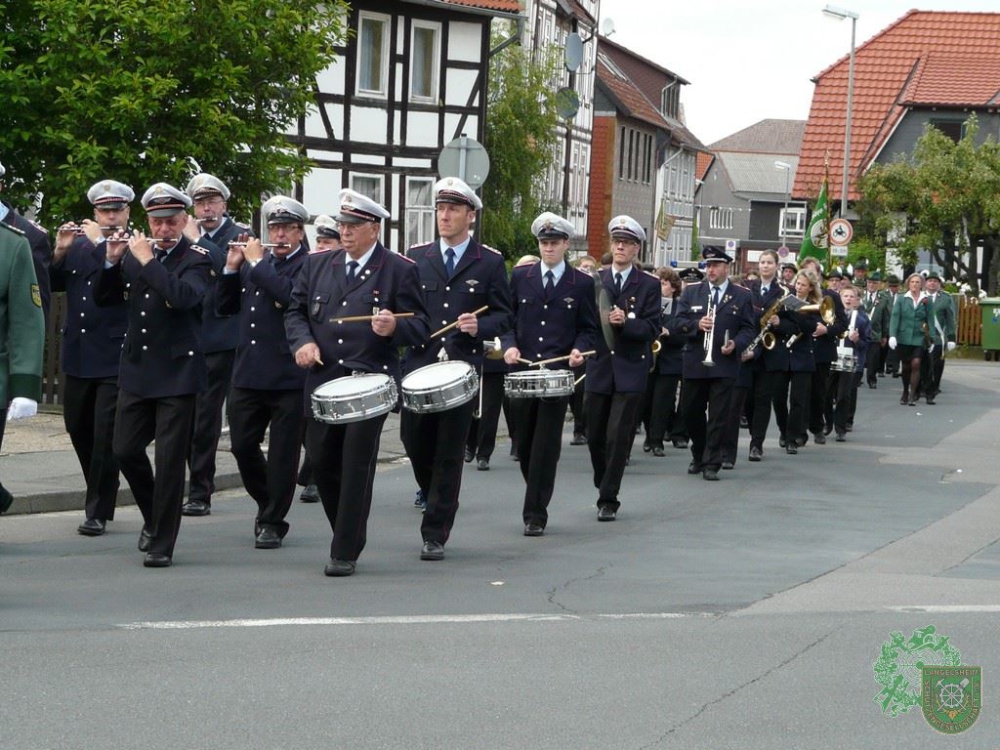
column 553, row 324
column 480, row 278
column 321, row 293
column 776, row 359
column 261, row 295
column 669, row 360
column 625, row 368
column 220, row 331
column 92, row 337
column 734, row 316
column 162, row 355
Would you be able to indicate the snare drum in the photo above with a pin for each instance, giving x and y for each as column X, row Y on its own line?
column 845, row 360
column 439, row 387
column 354, row 398
column 538, row 384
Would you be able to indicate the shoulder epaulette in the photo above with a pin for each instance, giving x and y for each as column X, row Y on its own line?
column 492, row 250
column 36, row 225
column 745, row 289
column 199, row 249
column 12, row 228
column 408, row 260
column 652, row 275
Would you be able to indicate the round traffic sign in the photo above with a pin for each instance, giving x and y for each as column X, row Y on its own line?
column 841, row 232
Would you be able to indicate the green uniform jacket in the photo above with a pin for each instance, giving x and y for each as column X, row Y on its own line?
column 907, row 320
column 22, row 325
column 880, row 314
column 944, row 312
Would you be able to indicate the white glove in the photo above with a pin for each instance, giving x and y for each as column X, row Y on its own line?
column 930, row 349
column 951, row 346
column 21, row 408
column 892, row 343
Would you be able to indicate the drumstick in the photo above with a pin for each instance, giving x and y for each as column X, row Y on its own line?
column 541, row 362
column 362, row 318
column 448, row 327
column 579, row 380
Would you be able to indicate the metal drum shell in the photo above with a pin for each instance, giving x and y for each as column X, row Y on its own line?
column 358, row 404
column 539, row 384
column 458, row 388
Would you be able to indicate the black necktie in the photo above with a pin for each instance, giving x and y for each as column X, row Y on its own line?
column 549, row 281
column 618, row 283
column 161, row 254
column 764, row 290
column 352, row 268
column 449, row 264
column 715, row 296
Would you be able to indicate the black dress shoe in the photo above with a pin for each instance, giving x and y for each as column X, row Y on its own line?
column 432, row 551
column 144, row 539
column 756, row 454
column 710, row 474
column 681, row 444
column 91, row 527
column 578, row 439
column 820, row 438
column 606, row 513
column 658, row 451
column 196, row 508
column 310, row 494
column 841, row 437
column 339, row 568
column 791, row 450
column 483, row 465
column 912, row 402
column 153, row 560
column 646, row 447
column 533, row 529
column 782, row 442
column 469, row 455
column 930, row 400
column 267, row 539
column 728, row 465
column 873, row 386
column 694, row 468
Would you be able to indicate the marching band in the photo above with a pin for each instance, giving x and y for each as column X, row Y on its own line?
column 317, row 346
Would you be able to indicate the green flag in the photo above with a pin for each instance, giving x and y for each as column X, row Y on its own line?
column 816, row 240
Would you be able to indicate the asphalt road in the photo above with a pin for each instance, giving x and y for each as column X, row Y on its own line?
column 745, row 613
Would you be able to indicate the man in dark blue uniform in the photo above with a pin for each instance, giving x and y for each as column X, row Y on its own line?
column 163, row 279
column 555, row 314
column 458, row 276
column 716, row 305
column 91, row 348
column 362, row 277
column 616, row 376
column 267, row 384
column 213, row 230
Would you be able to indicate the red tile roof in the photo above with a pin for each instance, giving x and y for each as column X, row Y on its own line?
column 627, row 95
column 703, row 162
column 500, row 6
column 897, row 66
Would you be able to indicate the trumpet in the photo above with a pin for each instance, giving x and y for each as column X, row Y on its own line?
column 709, row 338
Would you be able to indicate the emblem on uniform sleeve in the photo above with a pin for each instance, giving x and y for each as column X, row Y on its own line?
column 36, row 295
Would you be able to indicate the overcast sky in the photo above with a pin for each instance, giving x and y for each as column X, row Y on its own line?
column 749, row 60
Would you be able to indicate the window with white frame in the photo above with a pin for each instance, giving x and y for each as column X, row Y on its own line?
column 792, row 222
column 373, row 54
column 369, row 185
column 420, row 211
column 424, row 56
column 720, row 218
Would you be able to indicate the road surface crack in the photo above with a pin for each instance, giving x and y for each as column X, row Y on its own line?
column 551, row 593
column 737, row 689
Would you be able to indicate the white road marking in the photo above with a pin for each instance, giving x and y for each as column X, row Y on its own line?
column 948, row 608
column 400, row 620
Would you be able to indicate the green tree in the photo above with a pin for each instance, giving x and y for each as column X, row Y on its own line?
column 521, row 139
column 949, row 194
column 138, row 89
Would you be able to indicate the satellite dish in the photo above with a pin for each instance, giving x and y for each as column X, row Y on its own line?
column 466, row 159
column 567, row 103
column 607, row 27
column 573, row 54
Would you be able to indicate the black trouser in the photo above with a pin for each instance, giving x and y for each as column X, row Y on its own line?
column 779, row 400
column 847, row 400
column 799, row 387
column 483, row 431
column 208, row 425
column 731, row 437
column 765, row 385
column 873, row 362
column 270, row 482
column 89, row 406
column 343, row 461
column 576, row 405
column 168, row 421
column 511, row 419
column 931, row 371
column 707, row 434
column 664, row 420
column 435, row 444
column 609, row 446
column 892, row 361
column 818, row 397
column 305, row 477
column 540, row 422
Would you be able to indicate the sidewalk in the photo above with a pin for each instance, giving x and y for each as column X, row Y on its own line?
column 41, row 470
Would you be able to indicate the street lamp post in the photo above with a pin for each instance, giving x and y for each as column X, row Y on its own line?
column 840, row 14
column 784, row 212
